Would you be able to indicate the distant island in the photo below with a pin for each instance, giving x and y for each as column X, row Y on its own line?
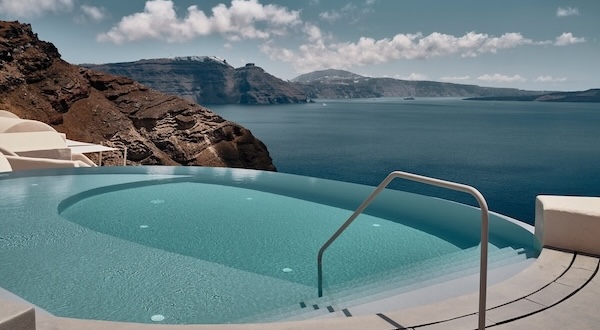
column 207, row 80
column 211, row 80
column 335, row 84
column 591, row 95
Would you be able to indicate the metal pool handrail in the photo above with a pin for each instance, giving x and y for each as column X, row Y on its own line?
column 434, row 182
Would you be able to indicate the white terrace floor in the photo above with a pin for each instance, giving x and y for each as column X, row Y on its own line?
column 560, row 290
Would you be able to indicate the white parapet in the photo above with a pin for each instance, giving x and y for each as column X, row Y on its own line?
column 568, row 222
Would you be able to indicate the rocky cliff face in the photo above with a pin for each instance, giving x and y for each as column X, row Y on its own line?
column 590, row 95
column 208, row 80
column 101, row 108
column 326, row 76
column 344, row 84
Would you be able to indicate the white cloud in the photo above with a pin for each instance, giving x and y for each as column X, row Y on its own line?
column 96, row 14
column 564, row 12
column 330, row 16
column 546, row 79
column 496, row 77
column 317, row 54
column 350, row 13
column 567, row 39
column 314, row 35
column 413, row 76
column 455, row 78
column 243, row 19
column 33, row 8
column 349, row 8
column 506, row 41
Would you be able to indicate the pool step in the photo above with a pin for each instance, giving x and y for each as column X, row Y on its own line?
column 393, row 287
column 411, row 281
column 359, row 291
column 452, row 265
column 396, row 279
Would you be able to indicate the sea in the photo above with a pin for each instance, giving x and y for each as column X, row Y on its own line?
column 510, row 151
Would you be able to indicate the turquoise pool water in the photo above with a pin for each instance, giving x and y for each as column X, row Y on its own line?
column 208, row 245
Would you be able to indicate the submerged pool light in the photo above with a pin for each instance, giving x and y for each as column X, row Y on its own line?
column 157, row 317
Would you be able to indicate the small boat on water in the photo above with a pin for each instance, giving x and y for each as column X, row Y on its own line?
column 410, row 98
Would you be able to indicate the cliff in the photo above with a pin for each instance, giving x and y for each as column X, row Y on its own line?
column 326, row 76
column 35, row 83
column 590, row 95
column 208, row 80
column 344, row 84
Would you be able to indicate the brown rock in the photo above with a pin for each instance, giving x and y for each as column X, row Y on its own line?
column 100, row 108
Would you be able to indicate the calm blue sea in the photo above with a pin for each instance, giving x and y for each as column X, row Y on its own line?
column 510, row 151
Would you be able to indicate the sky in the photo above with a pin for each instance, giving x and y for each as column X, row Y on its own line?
column 526, row 44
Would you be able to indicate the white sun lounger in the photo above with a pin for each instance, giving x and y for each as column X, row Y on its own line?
column 30, row 138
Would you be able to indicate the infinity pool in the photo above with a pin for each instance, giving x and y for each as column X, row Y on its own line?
column 212, row 245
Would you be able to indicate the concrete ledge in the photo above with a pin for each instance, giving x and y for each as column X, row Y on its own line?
column 549, row 266
column 568, row 223
column 572, row 291
column 16, row 316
